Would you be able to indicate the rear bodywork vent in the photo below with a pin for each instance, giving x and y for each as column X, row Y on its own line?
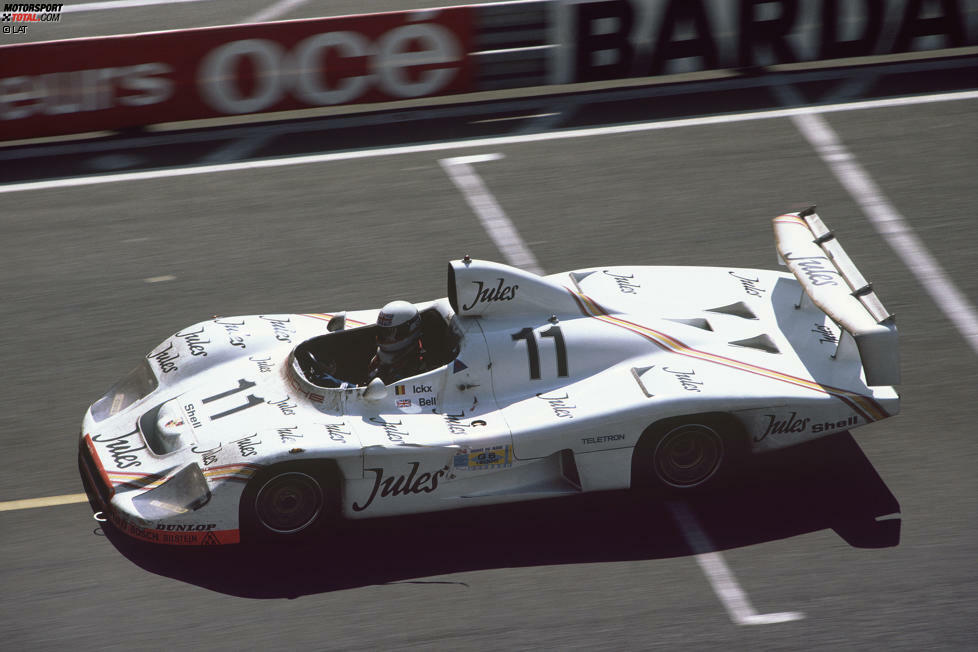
column 739, row 309
column 577, row 277
column 696, row 322
column 761, row 342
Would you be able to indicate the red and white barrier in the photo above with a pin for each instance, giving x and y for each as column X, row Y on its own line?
column 92, row 84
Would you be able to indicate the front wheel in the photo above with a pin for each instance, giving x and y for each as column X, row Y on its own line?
column 289, row 503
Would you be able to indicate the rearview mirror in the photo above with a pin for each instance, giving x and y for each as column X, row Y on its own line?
column 375, row 391
column 337, row 323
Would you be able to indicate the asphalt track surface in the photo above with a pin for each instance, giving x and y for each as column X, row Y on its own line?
column 800, row 533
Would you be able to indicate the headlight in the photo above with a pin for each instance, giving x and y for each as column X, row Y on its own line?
column 184, row 492
column 138, row 383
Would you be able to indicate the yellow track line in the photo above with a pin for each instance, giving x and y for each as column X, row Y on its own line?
column 50, row 501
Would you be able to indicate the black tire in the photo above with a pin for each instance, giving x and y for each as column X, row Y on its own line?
column 688, row 456
column 690, row 453
column 288, row 502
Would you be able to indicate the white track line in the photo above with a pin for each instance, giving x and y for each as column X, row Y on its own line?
column 724, row 584
column 890, row 224
column 499, row 227
column 278, row 9
column 481, row 142
column 50, row 501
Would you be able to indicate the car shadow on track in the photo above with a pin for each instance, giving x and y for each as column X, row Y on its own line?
column 828, row 483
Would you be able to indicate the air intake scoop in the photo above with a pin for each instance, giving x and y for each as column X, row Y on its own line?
column 696, row 322
column 761, row 342
column 739, row 309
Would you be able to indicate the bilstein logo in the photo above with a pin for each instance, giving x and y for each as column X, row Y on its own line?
column 489, row 295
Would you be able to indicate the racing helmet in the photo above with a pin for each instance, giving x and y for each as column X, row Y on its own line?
column 399, row 326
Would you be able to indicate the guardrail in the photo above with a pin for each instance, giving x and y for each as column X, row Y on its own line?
column 111, row 83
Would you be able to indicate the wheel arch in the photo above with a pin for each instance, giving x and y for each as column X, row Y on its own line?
column 731, row 429
column 325, row 471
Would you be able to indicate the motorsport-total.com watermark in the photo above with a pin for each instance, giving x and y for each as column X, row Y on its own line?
column 28, row 12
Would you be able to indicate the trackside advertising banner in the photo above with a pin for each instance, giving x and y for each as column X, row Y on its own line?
column 609, row 39
column 90, row 84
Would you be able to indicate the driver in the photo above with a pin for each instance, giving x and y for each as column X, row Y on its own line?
column 399, row 350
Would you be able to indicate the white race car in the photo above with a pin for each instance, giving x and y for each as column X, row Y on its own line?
column 594, row 379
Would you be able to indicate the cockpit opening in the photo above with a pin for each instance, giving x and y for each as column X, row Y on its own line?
column 342, row 358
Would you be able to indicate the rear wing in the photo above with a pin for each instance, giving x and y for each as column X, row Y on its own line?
column 832, row 282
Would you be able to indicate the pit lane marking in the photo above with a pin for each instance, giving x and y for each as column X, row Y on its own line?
column 634, row 127
column 49, row 501
column 721, row 578
column 500, row 228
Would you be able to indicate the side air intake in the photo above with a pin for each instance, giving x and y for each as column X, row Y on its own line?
column 739, row 309
column 762, row 343
column 696, row 322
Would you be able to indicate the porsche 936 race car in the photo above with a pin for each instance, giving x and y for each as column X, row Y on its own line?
column 265, row 426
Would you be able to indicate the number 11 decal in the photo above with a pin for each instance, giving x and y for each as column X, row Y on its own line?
column 533, row 351
column 243, row 384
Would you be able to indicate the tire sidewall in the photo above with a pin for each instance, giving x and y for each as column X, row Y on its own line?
column 713, row 446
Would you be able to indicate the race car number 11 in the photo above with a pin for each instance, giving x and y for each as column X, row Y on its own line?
column 243, row 384
column 533, row 351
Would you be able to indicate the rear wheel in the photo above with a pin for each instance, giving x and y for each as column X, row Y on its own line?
column 688, row 453
column 688, row 456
